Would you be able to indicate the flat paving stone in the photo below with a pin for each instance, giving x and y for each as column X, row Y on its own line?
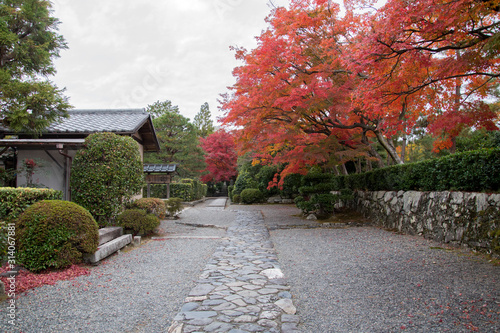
column 240, row 284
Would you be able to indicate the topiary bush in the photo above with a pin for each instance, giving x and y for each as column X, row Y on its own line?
column 55, row 234
column 174, row 205
column 291, row 185
column 105, row 175
column 151, row 206
column 315, row 195
column 251, row 195
column 138, row 221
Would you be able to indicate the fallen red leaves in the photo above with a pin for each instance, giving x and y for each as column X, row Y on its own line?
column 27, row 280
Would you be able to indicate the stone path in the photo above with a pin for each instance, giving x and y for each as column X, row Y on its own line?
column 218, row 203
column 242, row 288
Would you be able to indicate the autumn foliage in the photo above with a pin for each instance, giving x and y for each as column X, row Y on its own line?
column 27, row 280
column 325, row 82
column 220, row 157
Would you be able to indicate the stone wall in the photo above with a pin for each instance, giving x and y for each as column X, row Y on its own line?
column 462, row 218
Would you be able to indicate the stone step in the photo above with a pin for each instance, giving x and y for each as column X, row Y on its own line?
column 109, row 233
column 109, row 248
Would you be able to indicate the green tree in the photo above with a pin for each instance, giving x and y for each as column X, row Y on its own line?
column 158, row 108
column 28, row 44
column 178, row 141
column 105, row 175
column 203, row 122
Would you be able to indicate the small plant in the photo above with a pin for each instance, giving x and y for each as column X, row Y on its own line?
column 151, row 206
column 319, row 204
column 174, row 206
column 236, row 198
column 138, row 221
column 251, row 195
column 55, row 234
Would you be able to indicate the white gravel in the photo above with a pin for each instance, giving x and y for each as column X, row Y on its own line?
column 140, row 290
column 370, row 280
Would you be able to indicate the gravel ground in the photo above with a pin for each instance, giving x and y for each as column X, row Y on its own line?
column 137, row 290
column 370, row 280
column 357, row 279
column 366, row 279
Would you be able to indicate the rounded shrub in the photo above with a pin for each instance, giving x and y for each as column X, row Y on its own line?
column 151, row 206
column 251, row 195
column 55, row 234
column 138, row 221
column 105, row 175
column 236, row 198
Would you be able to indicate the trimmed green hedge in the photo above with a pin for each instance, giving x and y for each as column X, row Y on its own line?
column 13, row 201
column 138, row 221
column 187, row 190
column 153, row 206
column 472, row 171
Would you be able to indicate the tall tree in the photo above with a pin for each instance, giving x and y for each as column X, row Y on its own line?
column 428, row 58
column 320, row 82
column 28, row 44
column 178, row 140
column 292, row 96
column 203, row 121
column 220, row 157
column 158, row 108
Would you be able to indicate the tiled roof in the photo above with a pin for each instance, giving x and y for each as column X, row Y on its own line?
column 159, row 168
column 80, row 123
column 91, row 121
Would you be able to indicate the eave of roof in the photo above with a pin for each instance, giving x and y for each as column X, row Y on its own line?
column 160, row 168
column 82, row 122
column 40, row 142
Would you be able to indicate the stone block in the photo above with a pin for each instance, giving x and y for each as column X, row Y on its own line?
column 109, row 248
column 137, row 240
column 109, row 233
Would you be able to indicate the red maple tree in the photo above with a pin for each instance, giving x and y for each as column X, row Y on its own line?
column 432, row 59
column 323, row 84
column 220, row 157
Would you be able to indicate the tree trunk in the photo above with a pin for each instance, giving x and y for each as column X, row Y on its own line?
column 357, row 164
column 344, row 170
column 368, row 165
column 391, row 150
column 375, row 153
column 403, row 148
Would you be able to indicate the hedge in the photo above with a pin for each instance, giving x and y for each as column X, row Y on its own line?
column 471, row 171
column 138, row 221
column 187, row 190
column 13, row 201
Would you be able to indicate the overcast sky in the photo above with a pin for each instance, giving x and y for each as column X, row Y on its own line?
column 129, row 53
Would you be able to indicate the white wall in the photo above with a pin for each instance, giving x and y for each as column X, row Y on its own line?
column 49, row 174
